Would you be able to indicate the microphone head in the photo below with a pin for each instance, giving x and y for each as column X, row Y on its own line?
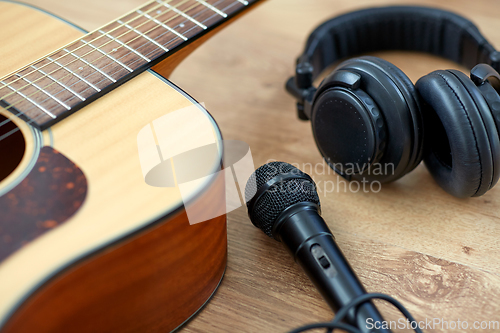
column 273, row 188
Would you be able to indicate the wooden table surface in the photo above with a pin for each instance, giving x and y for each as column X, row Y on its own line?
column 436, row 254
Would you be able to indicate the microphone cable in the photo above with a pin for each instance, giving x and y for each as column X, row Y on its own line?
column 336, row 324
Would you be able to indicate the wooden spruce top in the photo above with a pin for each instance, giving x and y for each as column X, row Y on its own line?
column 59, row 84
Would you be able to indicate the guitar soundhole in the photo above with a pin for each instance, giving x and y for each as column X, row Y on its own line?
column 12, row 147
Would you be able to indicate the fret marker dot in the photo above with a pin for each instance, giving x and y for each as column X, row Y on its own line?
column 158, row 12
column 181, row 25
column 81, row 68
column 114, row 50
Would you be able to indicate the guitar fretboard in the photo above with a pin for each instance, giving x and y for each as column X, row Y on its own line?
column 51, row 88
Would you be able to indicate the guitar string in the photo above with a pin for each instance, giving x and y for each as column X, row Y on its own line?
column 11, row 105
column 160, row 4
column 104, row 55
column 63, row 67
column 199, row 13
column 199, row 5
column 112, row 73
column 163, row 2
column 65, row 89
column 79, row 81
column 77, row 58
column 41, row 90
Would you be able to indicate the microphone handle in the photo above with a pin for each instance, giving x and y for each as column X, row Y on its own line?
column 311, row 242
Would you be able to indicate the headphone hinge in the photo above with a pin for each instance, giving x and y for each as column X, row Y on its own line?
column 303, row 75
column 304, row 81
column 300, row 86
column 304, row 107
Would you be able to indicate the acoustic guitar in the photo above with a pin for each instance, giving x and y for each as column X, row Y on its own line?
column 95, row 230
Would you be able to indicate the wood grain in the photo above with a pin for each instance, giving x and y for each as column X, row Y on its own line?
column 437, row 254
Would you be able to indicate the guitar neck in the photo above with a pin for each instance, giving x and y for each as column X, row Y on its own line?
column 55, row 86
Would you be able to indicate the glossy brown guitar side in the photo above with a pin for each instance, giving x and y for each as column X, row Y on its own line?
column 111, row 253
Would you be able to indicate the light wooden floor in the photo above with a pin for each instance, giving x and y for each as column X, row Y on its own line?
column 437, row 254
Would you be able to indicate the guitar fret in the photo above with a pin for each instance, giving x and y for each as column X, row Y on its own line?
column 125, row 45
column 107, row 55
column 44, row 91
column 47, row 112
column 2, row 98
column 221, row 13
column 162, row 24
column 76, row 75
column 60, row 83
column 231, row 8
column 182, row 14
column 143, row 35
column 90, row 65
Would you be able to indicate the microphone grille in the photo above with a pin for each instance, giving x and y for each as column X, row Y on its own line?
column 267, row 172
column 279, row 196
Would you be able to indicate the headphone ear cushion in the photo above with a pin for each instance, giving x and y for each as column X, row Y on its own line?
column 459, row 154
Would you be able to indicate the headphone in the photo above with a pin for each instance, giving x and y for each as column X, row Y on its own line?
column 370, row 122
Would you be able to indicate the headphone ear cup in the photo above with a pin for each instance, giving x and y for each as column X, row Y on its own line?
column 396, row 99
column 462, row 141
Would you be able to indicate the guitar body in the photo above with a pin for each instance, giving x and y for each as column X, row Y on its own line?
column 86, row 245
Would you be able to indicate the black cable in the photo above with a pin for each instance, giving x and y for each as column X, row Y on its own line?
column 335, row 323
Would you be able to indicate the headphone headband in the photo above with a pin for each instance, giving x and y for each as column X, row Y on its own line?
column 429, row 30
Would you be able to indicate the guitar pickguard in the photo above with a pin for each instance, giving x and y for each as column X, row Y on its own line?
column 51, row 193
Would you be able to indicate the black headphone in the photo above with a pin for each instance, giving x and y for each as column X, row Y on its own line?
column 369, row 120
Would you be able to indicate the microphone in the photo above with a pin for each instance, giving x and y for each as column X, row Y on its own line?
column 282, row 201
